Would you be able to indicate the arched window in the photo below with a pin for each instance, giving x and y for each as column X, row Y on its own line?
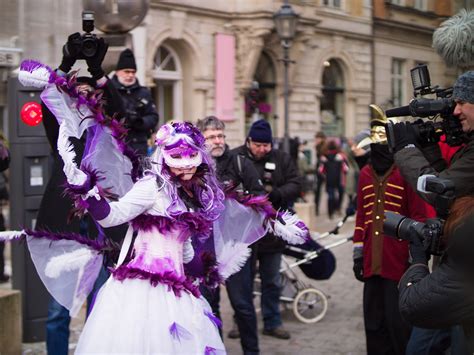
column 266, row 100
column 332, row 102
column 167, row 75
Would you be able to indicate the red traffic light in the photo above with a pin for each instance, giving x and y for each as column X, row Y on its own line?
column 31, row 113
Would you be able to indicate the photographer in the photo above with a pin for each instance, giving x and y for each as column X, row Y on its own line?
column 445, row 297
column 55, row 207
column 420, row 158
column 141, row 116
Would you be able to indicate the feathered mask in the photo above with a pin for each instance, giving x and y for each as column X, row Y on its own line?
column 181, row 145
column 377, row 130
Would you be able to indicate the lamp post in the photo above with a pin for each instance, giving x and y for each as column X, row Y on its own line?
column 285, row 22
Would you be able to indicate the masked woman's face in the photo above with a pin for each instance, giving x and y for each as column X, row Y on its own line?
column 184, row 173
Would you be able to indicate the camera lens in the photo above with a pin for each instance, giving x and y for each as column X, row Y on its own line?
column 89, row 47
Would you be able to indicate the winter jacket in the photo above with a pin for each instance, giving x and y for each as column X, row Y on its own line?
column 277, row 170
column 141, row 117
column 235, row 169
column 334, row 167
column 414, row 163
column 446, row 296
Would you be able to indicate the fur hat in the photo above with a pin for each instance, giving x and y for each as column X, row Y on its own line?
column 463, row 88
column 261, row 132
column 126, row 60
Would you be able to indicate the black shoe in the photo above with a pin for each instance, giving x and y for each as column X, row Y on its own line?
column 234, row 333
column 278, row 332
column 4, row 278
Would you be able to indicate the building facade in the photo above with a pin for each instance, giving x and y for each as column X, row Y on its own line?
column 201, row 57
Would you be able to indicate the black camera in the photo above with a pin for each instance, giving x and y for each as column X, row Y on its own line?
column 86, row 45
column 398, row 226
column 443, row 107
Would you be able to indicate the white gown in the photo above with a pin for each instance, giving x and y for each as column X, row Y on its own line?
column 130, row 316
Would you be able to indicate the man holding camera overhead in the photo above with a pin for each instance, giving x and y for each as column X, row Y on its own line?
column 418, row 158
column 141, row 116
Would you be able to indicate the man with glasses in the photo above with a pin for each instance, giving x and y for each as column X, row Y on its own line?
column 236, row 171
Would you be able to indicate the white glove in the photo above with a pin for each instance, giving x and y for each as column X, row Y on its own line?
column 188, row 251
column 74, row 175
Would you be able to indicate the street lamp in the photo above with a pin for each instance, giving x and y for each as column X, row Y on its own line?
column 285, row 22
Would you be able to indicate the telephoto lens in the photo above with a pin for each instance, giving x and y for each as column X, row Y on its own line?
column 401, row 227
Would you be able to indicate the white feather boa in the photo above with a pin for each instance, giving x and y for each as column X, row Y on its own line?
column 6, row 236
column 286, row 227
column 69, row 261
column 232, row 258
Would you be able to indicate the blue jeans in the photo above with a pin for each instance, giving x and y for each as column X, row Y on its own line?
column 57, row 329
column 269, row 268
column 240, row 291
column 103, row 276
column 436, row 341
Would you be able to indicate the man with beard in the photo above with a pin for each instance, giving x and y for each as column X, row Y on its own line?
column 234, row 170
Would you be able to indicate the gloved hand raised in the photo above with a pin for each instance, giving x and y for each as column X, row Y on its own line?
column 95, row 63
column 70, row 52
column 404, row 135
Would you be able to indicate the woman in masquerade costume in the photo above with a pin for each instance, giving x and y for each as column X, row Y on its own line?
column 183, row 231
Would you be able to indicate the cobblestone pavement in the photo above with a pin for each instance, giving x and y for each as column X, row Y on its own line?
column 341, row 331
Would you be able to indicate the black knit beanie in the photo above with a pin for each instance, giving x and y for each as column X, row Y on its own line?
column 126, row 60
column 261, row 132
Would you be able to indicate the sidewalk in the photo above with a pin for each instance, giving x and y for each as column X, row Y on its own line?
column 341, row 331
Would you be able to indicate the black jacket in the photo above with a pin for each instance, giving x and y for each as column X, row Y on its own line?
column 141, row 117
column 413, row 164
column 284, row 180
column 234, row 169
column 446, row 296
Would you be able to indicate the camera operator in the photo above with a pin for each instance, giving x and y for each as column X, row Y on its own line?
column 414, row 162
column 141, row 116
column 445, row 297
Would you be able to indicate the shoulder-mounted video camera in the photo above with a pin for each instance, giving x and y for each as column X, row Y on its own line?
column 398, row 226
column 441, row 107
column 85, row 45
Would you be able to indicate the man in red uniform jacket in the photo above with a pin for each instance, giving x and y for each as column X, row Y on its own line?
column 380, row 261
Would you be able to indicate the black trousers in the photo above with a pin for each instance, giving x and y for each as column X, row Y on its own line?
column 385, row 330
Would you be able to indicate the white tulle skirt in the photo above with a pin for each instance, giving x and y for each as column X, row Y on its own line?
column 133, row 317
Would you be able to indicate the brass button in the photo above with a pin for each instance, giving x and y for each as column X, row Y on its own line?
column 377, row 217
column 376, row 232
column 379, row 201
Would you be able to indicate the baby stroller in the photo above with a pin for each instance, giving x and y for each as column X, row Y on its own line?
column 317, row 262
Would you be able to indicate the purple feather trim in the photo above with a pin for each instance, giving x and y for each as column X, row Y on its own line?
column 31, row 65
column 193, row 221
column 95, row 104
column 175, row 282
column 178, row 332
column 209, row 350
column 91, row 243
column 259, row 204
column 217, row 322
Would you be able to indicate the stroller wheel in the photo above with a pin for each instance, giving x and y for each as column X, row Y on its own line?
column 310, row 305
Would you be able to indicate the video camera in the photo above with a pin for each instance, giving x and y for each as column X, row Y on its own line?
column 87, row 44
column 405, row 228
column 443, row 106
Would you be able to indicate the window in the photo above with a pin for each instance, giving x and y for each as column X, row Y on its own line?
column 398, row 2
column 168, row 83
column 332, row 102
column 421, row 5
column 397, row 82
column 332, row 3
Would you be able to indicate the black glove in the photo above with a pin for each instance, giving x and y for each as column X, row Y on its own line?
column 418, row 252
column 95, row 63
column 275, row 197
column 70, row 52
column 404, row 135
column 358, row 269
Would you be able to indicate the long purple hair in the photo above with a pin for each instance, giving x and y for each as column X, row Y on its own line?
column 206, row 188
